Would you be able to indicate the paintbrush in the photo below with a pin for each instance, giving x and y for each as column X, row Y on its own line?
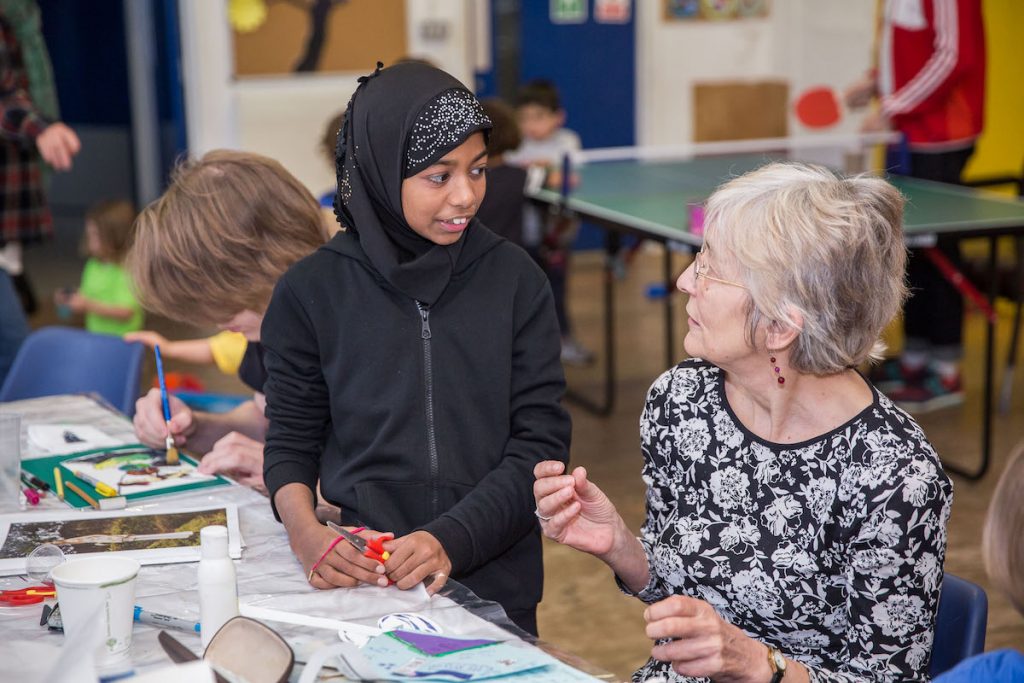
column 172, row 452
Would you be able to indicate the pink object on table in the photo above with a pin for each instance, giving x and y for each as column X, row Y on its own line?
column 696, row 211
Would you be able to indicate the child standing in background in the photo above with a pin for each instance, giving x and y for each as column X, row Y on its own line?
column 105, row 295
column 546, row 144
column 326, row 147
column 502, row 207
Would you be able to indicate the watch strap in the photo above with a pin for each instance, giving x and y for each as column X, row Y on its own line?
column 777, row 671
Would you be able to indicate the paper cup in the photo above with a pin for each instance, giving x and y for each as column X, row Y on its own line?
column 97, row 594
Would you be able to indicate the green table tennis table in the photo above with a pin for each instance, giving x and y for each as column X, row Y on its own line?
column 650, row 198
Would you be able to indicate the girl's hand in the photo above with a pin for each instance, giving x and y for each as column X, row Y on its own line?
column 344, row 566
column 702, row 644
column 574, row 511
column 416, row 557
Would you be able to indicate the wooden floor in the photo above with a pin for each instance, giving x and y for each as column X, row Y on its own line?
column 583, row 612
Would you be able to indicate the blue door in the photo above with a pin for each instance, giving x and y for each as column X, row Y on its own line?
column 592, row 63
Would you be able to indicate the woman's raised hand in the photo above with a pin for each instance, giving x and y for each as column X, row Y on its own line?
column 573, row 510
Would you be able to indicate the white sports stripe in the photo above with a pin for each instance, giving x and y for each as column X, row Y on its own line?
column 937, row 69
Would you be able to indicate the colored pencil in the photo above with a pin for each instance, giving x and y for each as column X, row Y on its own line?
column 85, row 496
column 59, row 482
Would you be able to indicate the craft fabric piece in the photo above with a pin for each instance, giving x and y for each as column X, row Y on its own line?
column 398, row 663
column 435, row 645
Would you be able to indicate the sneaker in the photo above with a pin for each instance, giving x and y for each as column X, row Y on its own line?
column 574, row 353
column 891, row 375
column 934, row 393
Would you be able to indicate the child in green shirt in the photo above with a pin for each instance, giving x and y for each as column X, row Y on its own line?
column 105, row 295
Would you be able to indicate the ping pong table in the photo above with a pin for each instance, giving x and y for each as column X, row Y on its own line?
column 650, row 197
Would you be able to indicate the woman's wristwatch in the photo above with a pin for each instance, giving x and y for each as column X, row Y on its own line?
column 778, row 664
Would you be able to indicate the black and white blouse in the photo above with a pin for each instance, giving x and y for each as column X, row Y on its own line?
column 830, row 550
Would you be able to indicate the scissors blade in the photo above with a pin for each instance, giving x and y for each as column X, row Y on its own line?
column 358, row 541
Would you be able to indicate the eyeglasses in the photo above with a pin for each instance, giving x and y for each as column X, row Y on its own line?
column 701, row 267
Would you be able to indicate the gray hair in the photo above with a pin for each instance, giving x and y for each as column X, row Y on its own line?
column 828, row 247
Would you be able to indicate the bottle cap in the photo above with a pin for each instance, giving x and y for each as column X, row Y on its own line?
column 213, row 541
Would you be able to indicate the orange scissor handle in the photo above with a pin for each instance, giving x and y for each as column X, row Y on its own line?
column 27, row 596
column 375, row 549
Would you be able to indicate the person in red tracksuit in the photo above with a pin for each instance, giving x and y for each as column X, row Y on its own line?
column 930, row 86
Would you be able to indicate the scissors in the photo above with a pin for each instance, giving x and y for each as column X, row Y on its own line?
column 27, row 596
column 373, row 549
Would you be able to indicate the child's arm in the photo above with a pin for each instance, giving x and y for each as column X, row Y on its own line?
column 83, row 304
column 189, row 350
column 568, row 159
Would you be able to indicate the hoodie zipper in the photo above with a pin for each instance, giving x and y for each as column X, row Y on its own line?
column 428, row 375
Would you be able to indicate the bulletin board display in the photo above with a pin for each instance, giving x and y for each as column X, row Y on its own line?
column 714, row 10
column 278, row 37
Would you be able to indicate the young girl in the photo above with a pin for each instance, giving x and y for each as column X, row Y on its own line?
column 413, row 361
column 105, row 295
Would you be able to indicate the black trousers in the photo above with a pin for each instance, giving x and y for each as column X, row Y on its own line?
column 934, row 314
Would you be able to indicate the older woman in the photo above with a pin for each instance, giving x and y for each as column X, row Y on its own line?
column 796, row 519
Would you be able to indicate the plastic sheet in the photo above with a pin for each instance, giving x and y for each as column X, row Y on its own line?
column 269, row 575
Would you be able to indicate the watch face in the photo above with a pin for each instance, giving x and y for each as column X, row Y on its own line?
column 780, row 661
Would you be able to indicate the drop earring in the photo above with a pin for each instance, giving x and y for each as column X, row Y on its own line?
column 778, row 376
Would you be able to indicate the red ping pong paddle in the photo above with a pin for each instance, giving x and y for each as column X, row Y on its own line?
column 817, row 107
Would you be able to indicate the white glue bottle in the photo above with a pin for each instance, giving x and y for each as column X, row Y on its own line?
column 218, row 591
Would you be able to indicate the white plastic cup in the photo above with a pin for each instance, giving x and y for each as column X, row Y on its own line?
column 98, row 594
column 10, row 459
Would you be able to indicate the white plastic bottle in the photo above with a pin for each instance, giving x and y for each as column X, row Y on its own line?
column 218, row 590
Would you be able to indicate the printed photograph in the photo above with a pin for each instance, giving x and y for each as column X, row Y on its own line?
column 120, row 533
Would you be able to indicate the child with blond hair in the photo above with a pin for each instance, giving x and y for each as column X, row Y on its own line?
column 209, row 251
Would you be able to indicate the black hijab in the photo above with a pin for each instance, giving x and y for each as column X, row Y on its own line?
column 400, row 121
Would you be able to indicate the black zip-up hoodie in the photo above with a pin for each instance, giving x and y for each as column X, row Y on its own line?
column 416, row 417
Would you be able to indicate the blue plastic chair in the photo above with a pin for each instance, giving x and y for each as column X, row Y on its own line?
column 63, row 360
column 959, row 625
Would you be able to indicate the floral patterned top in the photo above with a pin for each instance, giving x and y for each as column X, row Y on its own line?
column 830, row 550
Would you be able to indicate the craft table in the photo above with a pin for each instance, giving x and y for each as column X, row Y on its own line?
column 268, row 576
